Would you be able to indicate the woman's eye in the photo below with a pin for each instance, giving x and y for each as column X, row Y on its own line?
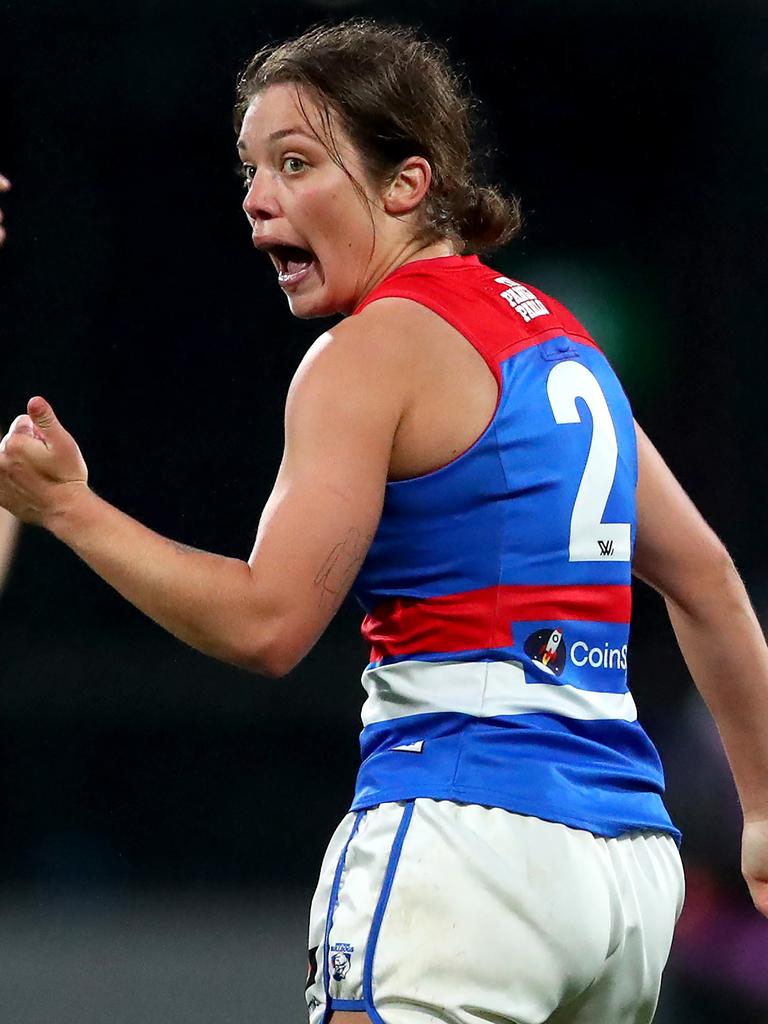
column 293, row 164
column 247, row 172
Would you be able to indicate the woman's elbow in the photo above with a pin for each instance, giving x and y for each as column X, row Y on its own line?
column 275, row 664
column 273, row 656
column 712, row 581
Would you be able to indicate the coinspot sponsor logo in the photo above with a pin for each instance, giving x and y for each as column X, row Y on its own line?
column 548, row 648
column 605, row 657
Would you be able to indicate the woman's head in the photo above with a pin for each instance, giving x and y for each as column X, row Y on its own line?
column 392, row 99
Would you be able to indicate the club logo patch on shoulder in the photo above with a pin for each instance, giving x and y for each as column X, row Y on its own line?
column 340, row 960
column 547, row 648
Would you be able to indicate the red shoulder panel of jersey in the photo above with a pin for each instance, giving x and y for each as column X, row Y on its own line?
column 498, row 315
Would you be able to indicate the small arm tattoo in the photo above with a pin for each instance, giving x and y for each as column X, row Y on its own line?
column 342, row 564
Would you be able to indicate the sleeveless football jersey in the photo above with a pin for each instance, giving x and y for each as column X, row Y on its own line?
column 497, row 588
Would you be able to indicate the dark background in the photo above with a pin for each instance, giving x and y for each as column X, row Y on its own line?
column 131, row 298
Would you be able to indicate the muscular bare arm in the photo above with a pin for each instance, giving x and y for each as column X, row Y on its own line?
column 343, row 409
column 719, row 636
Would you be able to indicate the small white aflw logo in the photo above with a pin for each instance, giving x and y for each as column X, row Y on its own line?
column 410, row 748
column 521, row 299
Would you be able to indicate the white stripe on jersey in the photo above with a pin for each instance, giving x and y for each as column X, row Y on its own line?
column 483, row 689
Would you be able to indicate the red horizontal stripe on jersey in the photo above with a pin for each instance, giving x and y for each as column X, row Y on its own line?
column 482, row 619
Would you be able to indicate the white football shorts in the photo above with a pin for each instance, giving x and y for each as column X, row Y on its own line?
column 429, row 910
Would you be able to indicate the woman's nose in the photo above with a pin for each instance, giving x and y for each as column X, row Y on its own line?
column 260, row 201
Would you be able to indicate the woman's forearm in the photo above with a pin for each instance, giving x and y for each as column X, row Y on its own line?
column 206, row 600
column 723, row 645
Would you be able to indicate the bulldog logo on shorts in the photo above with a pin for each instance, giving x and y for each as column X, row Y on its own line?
column 340, row 960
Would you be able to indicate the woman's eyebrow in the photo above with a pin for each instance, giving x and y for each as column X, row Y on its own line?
column 281, row 133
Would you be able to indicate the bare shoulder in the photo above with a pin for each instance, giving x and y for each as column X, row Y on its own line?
column 356, row 376
column 399, row 368
column 382, row 332
column 373, row 350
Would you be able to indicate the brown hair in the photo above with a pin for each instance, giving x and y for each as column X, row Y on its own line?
column 396, row 96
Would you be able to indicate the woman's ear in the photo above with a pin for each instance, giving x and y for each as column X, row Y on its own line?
column 409, row 186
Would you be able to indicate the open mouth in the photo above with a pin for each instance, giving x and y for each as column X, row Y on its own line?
column 292, row 262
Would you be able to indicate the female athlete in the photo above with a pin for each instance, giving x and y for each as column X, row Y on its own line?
column 459, row 449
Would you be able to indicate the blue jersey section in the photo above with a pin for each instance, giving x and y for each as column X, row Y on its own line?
column 516, row 558
column 516, row 762
column 501, row 512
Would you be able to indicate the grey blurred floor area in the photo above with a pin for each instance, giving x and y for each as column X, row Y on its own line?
column 153, row 959
column 237, row 958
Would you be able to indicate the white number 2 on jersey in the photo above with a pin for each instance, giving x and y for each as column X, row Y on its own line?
column 591, row 539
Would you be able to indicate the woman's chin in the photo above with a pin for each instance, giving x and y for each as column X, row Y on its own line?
column 304, row 309
column 310, row 304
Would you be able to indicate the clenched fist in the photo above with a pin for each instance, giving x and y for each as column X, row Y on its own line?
column 40, row 465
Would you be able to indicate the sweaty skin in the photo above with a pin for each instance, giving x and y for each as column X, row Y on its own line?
column 265, row 614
